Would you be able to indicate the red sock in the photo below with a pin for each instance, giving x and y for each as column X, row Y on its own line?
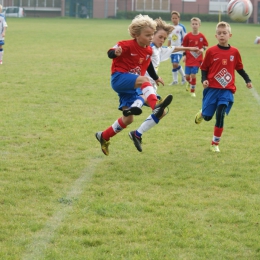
column 217, row 135
column 149, row 94
column 117, row 127
column 193, row 84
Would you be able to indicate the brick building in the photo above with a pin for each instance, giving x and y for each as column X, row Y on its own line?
column 109, row 8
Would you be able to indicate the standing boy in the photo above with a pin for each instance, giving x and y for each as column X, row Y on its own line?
column 193, row 59
column 175, row 39
column 131, row 59
column 218, row 79
column 3, row 26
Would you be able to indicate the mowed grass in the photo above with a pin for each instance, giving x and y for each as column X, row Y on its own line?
column 61, row 198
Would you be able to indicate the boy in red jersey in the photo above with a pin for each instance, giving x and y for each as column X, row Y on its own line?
column 193, row 59
column 131, row 59
column 218, row 79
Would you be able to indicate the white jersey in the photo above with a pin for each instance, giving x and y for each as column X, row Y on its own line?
column 159, row 54
column 177, row 35
column 2, row 25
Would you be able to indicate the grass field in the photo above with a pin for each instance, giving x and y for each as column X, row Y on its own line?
column 62, row 199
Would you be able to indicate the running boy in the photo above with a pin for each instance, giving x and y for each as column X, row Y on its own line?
column 131, row 59
column 192, row 59
column 175, row 39
column 3, row 26
column 218, row 79
column 160, row 53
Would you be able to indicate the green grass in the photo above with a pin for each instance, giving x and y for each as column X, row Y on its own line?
column 61, row 198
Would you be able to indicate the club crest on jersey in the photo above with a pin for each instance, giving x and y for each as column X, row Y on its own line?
column 224, row 62
column 201, row 39
column 223, row 77
column 141, row 60
column 231, row 58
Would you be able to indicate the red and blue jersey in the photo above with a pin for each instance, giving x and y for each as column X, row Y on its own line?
column 134, row 58
column 220, row 64
column 194, row 40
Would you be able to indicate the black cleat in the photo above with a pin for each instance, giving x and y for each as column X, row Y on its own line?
column 137, row 140
column 132, row 111
column 159, row 108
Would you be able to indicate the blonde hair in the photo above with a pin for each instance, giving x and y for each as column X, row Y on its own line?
column 162, row 25
column 175, row 12
column 195, row 19
column 140, row 22
column 224, row 25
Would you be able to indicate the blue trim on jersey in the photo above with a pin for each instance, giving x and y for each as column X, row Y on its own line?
column 184, row 29
column 2, row 42
column 213, row 97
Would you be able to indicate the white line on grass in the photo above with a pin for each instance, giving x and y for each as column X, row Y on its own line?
column 41, row 240
column 255, row 94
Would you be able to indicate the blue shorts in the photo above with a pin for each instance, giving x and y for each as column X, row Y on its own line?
column 213, row 97
column 123, row 84
column 175, row 58
column 2, row 42
column 191, row 70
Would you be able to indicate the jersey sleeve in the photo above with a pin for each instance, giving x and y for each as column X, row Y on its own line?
column 166, row 52
column 239, row 64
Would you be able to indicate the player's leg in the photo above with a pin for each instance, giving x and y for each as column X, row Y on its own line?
column 1, row 51
column 188, row 77
column 218, row 128
column 175, row 65
column 124, row 86
column 180, row 69
column 136, row 135
column 193, row 80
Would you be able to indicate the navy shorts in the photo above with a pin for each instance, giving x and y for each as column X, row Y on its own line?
column 191, row 70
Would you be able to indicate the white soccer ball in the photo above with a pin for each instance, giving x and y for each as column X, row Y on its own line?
column 239, row 10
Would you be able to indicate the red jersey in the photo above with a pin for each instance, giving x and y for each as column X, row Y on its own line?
column 221, row 63
column 134, row 58
column 194, row 40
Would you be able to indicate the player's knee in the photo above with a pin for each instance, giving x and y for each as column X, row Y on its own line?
column 207, row 118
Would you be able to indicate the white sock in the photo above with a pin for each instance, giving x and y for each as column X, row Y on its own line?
column 175, row 76
column 138, row 102
column 150, row 122
column 182, row 72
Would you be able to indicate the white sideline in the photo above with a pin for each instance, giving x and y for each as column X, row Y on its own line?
column 255, row 94
column 40, row 241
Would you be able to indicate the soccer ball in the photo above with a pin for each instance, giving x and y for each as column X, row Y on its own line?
column 239, row 10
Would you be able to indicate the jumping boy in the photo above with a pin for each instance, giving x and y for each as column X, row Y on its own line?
column 131, row 59
column 218, row 79
column 175, row 39
column 192, row 59
column 160, row 53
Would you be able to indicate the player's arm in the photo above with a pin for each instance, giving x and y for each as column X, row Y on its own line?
column 115, row 52
column 154, row 75
column 180, row 48
column 246, row 78
column 204, row 78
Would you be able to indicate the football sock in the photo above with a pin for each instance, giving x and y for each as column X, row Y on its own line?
column 139, row 102
column 150, row 122
column 1, row 54
column 149, row 94
column 192, row 84
column 175, row 74
column 217, row 135
column 181, row 71
column 117, row 127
